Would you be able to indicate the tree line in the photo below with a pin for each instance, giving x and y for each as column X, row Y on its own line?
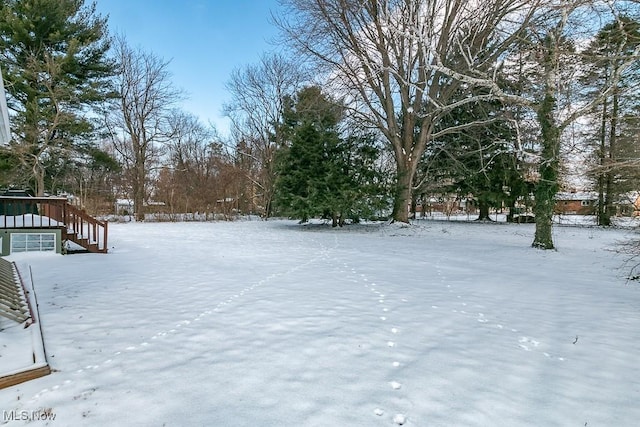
column 371, row 108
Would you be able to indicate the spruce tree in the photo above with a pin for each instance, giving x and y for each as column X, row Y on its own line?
column 605, row 56
column 323, row 173
column 480, row 161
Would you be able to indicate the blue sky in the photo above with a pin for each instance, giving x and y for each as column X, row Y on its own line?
column 205, row 40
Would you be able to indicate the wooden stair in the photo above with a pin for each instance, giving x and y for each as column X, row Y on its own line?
column 82, row 229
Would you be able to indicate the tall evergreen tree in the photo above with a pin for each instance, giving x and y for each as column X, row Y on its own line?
column 320, row 172
column 479, row 161
column 55, row 65
column 605, row 56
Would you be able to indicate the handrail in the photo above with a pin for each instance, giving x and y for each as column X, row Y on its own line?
column 84, row 229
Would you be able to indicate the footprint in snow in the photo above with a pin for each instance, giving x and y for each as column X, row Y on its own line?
column 399, row 419
column 395, row 385
column 524, row 341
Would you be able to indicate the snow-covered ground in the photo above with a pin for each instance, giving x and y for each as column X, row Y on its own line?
column 278, row 324
column 564, row 219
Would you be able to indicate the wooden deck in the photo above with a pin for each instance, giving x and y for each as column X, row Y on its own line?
column 54, row 212
column 17, row 304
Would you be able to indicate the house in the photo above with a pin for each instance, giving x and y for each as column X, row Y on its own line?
column 576, row 203
column 47, row 224
column 124, row 207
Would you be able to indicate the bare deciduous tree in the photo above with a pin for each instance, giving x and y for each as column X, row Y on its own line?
column 138, row 124
column 194, row 153
column 255, row 110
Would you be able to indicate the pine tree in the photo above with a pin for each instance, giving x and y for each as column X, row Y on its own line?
column 605, row 56
column 55, row 65
column 322, row 173
column 479, row 161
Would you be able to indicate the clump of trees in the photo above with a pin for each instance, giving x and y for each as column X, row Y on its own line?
column 380, row 103
column 611, row 80
column 406, row 66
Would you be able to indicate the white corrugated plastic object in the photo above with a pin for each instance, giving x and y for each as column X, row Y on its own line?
column 5, row 134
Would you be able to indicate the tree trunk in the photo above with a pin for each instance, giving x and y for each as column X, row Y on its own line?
column 609, row 208
column 484, row 211
column 38, row 174
column 547, row 186
column 402, row 197
column 139, row 192
column 602, row 212
column 544, row 216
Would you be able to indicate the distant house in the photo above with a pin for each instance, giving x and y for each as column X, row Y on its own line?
column 578, row 203
column 124, row 207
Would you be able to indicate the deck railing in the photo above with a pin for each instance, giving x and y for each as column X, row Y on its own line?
column 55, row 212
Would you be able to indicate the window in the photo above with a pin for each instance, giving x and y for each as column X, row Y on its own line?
column 33, row 242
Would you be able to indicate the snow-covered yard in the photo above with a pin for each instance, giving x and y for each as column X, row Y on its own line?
column 276, row 324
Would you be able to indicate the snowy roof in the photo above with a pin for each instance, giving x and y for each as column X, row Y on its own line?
column 577, row 196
